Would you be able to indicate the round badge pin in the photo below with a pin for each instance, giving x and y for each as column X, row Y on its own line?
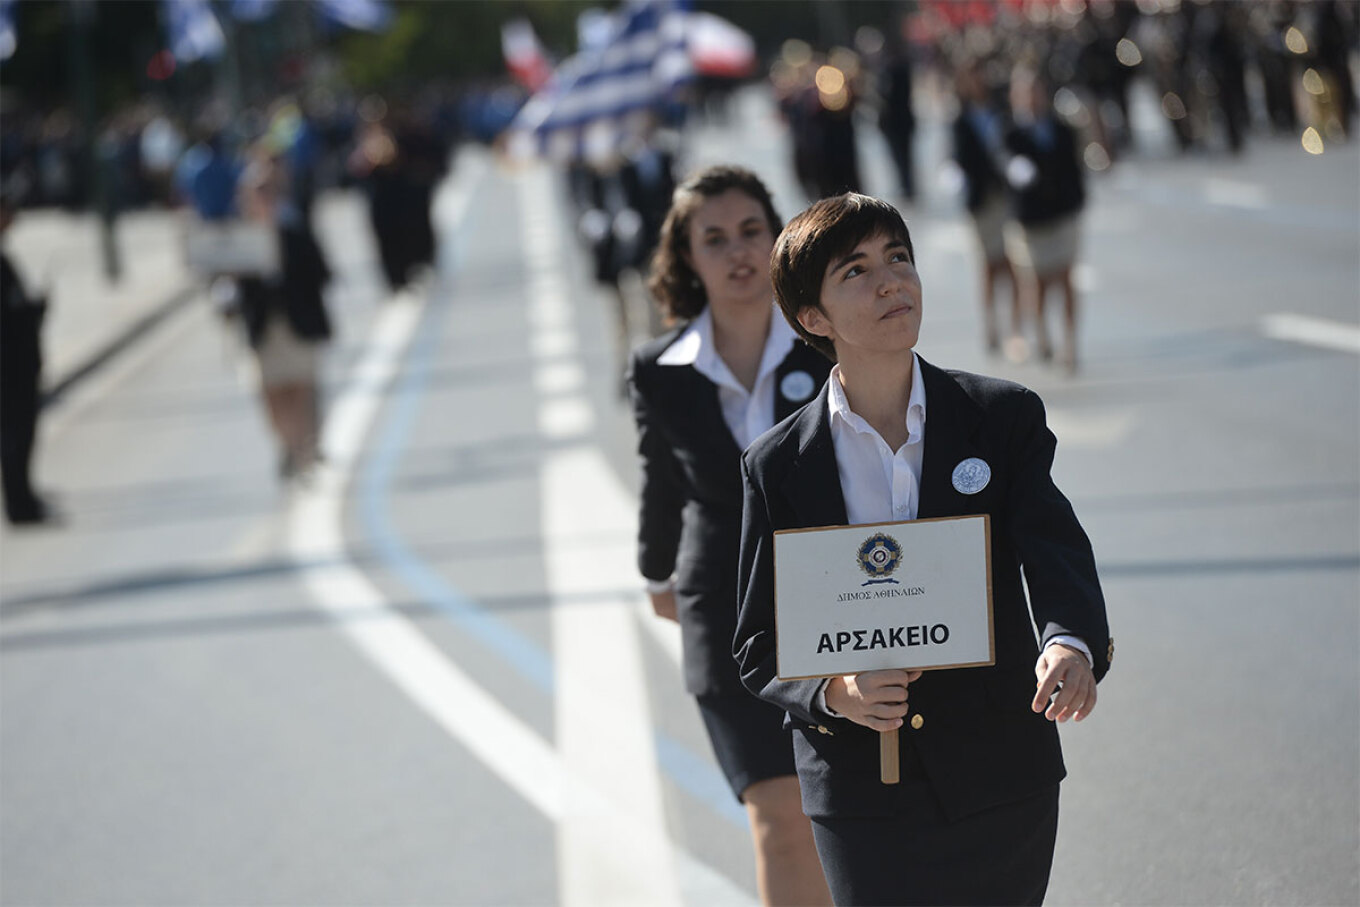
column 971, row 475
column 797, row 386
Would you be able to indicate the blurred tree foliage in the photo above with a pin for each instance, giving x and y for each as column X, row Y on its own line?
column 121, row 38
column 451, row 40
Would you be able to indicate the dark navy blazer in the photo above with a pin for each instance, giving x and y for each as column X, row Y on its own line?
column 980, row 745
column 690, row 519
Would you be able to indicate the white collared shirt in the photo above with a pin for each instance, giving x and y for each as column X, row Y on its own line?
column 748, row 414
column 879, row 484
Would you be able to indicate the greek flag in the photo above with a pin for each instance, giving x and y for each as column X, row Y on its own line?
column 363, row 15
column 637, row 66
column 252, row 10
column 192, row 30
column 8, row 38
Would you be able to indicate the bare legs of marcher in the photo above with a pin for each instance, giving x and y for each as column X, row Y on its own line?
column 993, row 272
column 292, row 410
column 788, row 871
column 1038, row 287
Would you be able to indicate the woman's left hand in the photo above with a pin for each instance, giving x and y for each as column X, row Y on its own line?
column 663, row 603
column 1065, row 666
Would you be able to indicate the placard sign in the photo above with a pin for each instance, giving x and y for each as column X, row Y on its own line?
column 915, row 594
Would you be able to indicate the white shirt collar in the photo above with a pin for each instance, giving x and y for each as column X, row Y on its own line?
column 839, row 407
column 695, row 346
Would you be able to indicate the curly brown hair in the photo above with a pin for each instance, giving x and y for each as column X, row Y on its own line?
column 672, row 282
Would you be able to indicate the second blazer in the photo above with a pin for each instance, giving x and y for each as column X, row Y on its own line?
column 690, row 522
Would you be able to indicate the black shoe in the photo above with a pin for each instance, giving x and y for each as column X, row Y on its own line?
column 30, row 514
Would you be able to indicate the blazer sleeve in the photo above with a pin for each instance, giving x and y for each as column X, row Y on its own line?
column 1055, row 553
column 754, row 643
column 662, row 497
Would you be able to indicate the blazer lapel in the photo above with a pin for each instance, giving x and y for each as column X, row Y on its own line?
column 952, row 419
column 698, row 412
column 813, row 485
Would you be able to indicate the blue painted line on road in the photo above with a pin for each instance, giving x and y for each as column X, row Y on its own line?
column 692, row 774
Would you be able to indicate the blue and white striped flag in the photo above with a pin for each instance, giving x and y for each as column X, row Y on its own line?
column 363, row 15
column 192, row 30
column 9, row 39
column 252, row 10
column 592, row 95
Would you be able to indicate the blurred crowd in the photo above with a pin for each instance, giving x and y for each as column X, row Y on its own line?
column 1039, row 94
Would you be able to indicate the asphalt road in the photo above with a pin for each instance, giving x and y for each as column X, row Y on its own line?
column 429, row 679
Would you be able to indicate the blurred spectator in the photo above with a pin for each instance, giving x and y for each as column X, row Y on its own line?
column 160, row 145
column 207, row 175
column 21, row 318
column 1045, row 173
column 284, row 315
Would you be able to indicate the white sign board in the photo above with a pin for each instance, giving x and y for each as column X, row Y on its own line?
column 236, row 247
column 915, row 594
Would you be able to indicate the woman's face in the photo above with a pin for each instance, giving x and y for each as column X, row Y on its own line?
column 729, row 248
column 871, row 301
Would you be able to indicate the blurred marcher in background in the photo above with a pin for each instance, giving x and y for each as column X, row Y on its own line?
column 795, row 94
column 897, row 115
column 1331, row 33
column 284, row 315
column 423, row 161
column 374, row 164
column 1267, row 23
column 1046, row 176
column 980, row 151
column 1221, row 36
column 399, row 161
column 21, row 318
column 835, row 99
column 622, row 198
column 701, row 393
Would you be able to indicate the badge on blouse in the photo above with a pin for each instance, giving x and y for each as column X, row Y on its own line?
column 972, row 475
column 797, row 386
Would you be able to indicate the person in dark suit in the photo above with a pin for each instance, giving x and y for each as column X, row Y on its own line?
column 21, row 318
column 700, row 394
column 974, row 818
column 1045, row 172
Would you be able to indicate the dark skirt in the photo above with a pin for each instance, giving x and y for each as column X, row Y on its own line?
column 748, row 738
column 999, row 856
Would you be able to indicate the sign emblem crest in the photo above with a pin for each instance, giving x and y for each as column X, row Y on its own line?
column 878, row 557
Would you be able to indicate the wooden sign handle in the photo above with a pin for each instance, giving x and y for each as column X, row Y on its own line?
column 887, row 757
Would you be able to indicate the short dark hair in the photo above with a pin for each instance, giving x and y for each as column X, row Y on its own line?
column 824, row 232
column 672, row 282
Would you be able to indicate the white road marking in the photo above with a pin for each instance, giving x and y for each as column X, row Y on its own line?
column 604, row 724
column 1331, row 335
column 606, row 803
column 1235, row 194
column 565, row 418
